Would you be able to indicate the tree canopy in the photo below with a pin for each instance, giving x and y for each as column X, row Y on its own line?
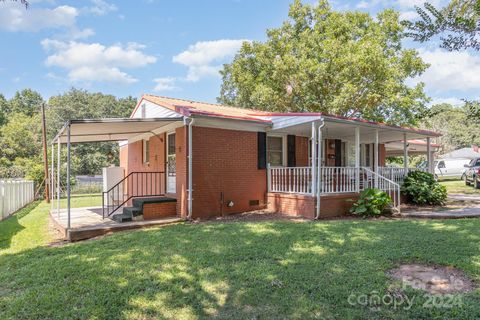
column 457, row 24
column 320, row 60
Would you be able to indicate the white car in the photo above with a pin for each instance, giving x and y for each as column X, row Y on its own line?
column 450, row 168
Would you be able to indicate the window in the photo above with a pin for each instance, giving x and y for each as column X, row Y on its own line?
column 146, row 151
column 441, row 165
column 144, row 110
column 275, row 151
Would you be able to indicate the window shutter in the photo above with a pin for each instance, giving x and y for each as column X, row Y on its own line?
column 262, row 150
column 291, row 160
column 338, row 153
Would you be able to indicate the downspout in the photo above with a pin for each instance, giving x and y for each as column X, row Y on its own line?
column 319, row 167
column 189, row 122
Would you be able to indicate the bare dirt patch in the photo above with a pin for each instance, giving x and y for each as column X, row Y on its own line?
column 433, row 279
column 252, row 216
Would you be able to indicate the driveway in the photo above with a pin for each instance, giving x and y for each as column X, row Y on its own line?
column 458, row 206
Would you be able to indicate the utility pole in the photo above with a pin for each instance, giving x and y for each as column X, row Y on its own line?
column 45, row 157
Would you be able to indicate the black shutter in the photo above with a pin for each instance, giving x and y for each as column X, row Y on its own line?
column 262, row 150
column 291, row 160
column 338, row 153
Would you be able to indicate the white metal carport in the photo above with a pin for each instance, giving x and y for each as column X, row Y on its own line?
column 102, row 130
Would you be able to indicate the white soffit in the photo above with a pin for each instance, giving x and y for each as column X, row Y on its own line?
column 102, row 130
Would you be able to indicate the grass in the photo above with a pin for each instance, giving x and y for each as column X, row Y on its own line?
column 270, row 269
column 458, row 186
column 28, row 228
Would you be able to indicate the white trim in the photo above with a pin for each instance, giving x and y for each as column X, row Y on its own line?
column 284, row 146
column 174, row 190
column 145, row 159
column 231, row 124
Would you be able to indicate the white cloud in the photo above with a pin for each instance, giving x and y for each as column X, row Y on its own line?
column 451, row 70
column 451, row 100
column 362, row 5
column 76, row 34
column 94, row 61
column 101, row 7
column 165, row 84
column 14, row 17
column 205, row 58
column 409, row 15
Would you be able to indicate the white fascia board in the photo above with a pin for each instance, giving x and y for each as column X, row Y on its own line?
column 153, row 110
column 169, row 127
column 230, row 124
column 281, row 122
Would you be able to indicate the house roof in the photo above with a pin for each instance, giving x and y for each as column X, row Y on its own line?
column 190, row 107
column 467, row 153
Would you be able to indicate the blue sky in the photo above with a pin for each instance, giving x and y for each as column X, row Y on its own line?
column 171, row 48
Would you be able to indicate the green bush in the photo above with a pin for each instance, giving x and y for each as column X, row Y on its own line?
column 372, row 202
column 422, row 188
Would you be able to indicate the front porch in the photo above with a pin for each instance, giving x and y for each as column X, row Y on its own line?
column 344, row 157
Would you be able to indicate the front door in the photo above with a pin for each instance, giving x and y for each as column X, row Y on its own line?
column 171, row 164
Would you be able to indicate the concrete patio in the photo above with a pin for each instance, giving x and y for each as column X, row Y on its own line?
column 87, row 223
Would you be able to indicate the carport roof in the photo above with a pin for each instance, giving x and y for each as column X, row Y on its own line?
column 117, row 129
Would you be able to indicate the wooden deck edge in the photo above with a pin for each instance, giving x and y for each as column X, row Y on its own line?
column 90, row 232
column 57, row 226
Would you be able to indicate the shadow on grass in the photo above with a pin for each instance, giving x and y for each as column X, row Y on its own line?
column 11, row 226
column 239, row 270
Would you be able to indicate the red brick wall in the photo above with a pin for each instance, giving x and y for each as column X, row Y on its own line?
column 181, row 151
column 304, row 205
column 301, row 151
column 225, row 161
column 156, row 159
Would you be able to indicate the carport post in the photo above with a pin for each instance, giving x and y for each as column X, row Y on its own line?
column 429, row 156
column 68, row 176
column 357, row 159
column 52, row 177
column 375, row 155
column 314, row 156
column 58, row 176
column 405, row 153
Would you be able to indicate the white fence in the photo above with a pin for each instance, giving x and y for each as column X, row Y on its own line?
column 14, row 194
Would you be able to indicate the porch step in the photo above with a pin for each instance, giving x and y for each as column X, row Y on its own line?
column 136, row 212
column 122, row 217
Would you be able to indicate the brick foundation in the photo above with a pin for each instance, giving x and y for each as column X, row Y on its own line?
column 304, row 205
column 159, row 210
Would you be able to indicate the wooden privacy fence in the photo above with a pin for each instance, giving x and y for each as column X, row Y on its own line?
column 14, row 194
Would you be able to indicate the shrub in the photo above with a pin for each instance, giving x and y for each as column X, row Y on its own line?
column 422, row 188
column 372, row 202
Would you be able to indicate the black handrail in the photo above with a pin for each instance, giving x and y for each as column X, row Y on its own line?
column 148, row 184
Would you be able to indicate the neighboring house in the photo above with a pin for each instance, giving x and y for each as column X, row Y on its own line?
column 212, row 160
column 463, row 153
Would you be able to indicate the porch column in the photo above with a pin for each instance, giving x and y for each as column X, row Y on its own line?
column 68, row 176
column 52, row 176
column 58, row 176
column 357, row 159
column 375, row 155
column 405, row 153
column 314, row 156
column 429, row 156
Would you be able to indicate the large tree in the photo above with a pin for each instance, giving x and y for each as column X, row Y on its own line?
column 26, row 101
column 344, row 63
column 457, row 24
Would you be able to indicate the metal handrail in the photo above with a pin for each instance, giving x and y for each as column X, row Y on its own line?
column 148, row 184
column 385, row 184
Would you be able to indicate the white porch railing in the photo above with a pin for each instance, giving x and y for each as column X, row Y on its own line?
column 334, row 180
column 290, row 180
column 395, row 174
column 380, row 182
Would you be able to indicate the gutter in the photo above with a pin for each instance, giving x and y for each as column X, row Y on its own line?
column 319, row 166
column 189, row 122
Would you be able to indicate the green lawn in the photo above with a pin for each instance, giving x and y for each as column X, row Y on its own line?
column 269, row 269
column 458, row 186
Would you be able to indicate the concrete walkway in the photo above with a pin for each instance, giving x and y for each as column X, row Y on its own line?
column 471, row 209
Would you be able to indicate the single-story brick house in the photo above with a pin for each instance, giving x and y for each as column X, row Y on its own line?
column 206, row 160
